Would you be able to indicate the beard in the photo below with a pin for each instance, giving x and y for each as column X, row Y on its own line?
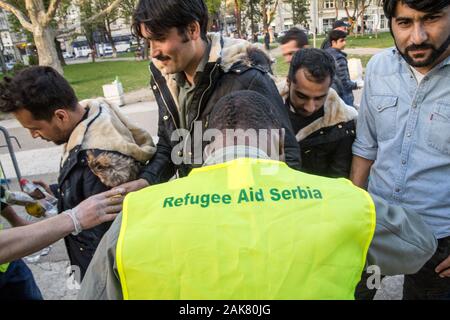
column 435, row 53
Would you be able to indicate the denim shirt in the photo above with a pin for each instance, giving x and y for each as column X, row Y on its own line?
column 405, row 128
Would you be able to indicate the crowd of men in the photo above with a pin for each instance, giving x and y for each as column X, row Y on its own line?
column 256, row 188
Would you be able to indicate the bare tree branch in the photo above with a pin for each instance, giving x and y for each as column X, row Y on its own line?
column 54, row 4
column 102, row 13
column 23, row 19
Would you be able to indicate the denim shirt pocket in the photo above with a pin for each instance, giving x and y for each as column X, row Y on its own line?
column 386, row 116
column 439, row 128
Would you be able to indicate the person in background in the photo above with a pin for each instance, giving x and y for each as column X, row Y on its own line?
column 340, row 25
column 294, row 40
column 338, row 42
column 323, row 123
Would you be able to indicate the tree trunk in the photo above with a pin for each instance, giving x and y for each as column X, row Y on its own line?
column 60, row 54
column 252, row 17
column 44, row 40
column 237, row 14
column 110, row 38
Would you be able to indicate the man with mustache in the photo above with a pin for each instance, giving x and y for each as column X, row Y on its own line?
column 403, row 130
column 190, row 71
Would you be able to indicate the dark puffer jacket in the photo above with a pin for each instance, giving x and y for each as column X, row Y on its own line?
column 229, row 69
column 326, row 143
column 346, row 84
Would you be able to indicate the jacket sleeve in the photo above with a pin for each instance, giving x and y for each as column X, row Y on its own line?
column 160, row 168
column 402, row 243
column 341, row 161
column 101, row 281
column 264, row 84
column 344, row 75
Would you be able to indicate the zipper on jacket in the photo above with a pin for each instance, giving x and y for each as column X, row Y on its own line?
column 164, row 100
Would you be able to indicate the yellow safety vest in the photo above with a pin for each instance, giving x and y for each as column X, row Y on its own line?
column 245, row 229
column 3, row 267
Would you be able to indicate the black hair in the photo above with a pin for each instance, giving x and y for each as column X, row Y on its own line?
column 159, row 16
column 297, row 35
column 319, row 64
column 40, row 90
column 428, row 6
column 335, row 35
column 244, row 109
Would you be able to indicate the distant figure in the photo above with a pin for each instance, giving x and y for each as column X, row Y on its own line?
column 267, row 41
column 340, row 25
column 294, row 40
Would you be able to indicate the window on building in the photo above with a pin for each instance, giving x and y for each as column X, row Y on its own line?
column 328, row 24
column 327, row 4
column 348, row 3
column 383, row 22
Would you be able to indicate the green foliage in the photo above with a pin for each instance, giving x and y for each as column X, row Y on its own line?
column 213, row 6
column 300, row 10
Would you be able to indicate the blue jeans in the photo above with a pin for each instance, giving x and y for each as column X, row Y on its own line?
column 17, row 283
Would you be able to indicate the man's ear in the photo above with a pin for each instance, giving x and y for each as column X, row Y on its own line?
column 193, row 30
column 62, row 115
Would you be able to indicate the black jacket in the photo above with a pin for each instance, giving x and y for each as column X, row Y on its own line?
column 223, row 74
column 326, row 143
column 346, row 84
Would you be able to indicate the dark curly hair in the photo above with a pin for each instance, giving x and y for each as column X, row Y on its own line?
column 319, row 64
column 244, row 109
column 40, row 90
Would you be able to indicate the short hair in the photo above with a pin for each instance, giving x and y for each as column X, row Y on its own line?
column 339, row 23
column 244, row 109
column 429, row 6
column 159, row 16
column 319, row 64
column 335, row 35
column 297, row 35
column 40, row 90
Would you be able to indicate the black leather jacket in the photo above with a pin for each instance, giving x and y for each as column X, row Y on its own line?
column 213, row 85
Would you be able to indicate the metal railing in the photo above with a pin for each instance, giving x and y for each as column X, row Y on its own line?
column 8, row 145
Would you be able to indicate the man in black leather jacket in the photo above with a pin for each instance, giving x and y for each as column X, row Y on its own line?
column 324, row 124
column 190, row 71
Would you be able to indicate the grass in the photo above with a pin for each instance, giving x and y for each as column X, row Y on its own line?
column 384, row 40
column 87, row 79
column 281, row 68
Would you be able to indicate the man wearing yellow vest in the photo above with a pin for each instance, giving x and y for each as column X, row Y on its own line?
column 246, row 226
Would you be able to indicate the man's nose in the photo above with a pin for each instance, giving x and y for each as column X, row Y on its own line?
column 155, row 51
column 310, row 106
column 34, row 134
column 419, row 34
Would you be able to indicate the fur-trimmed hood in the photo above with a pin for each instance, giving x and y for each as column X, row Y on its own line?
column 226, row 52
column 106, row 128
column 335, row 112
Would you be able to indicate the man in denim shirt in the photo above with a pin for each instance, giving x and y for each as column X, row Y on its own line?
column 403, row 131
